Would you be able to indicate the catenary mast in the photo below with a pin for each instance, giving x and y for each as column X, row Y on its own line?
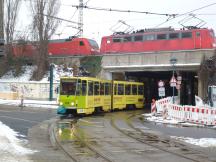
column 80, row 22
column 1, row 19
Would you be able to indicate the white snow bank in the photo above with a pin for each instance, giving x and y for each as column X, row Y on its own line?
column 202, row 142
column 28, row 71
column 11, row 148
column 58, row 71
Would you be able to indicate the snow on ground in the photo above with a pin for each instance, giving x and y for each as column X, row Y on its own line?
column 31, row 103
column 58, row 71
column 202, row 142
column 28, row 70
column 11, row 148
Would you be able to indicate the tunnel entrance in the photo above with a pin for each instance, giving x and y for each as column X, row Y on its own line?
column 187, row 92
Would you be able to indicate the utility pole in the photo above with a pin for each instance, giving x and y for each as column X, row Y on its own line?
column 2, row 51
column 80, row 22
column 2, row 19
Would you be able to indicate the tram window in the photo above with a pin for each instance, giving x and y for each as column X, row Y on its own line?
column 127, row 89
column 117, row 40
column 140, row 90
column 120, row 89
column 68, row 87
column 134, row 89
column 84, row 88
column 149, row 37
column 138, row 38
column 101, row 88
column 96, row 88
column 187, row 35
column 90, row 88
column 161, row 36
column 173, row 35
column 81, row 43
column 115, row 89
column 107, row 89
column 127, row 39
column 78, row 87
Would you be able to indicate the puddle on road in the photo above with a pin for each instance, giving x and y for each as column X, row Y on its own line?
column 67, row 131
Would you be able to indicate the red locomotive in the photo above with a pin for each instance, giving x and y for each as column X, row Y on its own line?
column 60, row 47
column 161, row 39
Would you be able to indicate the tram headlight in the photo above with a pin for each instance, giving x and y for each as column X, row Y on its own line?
column 61, row 103
column 72, row 103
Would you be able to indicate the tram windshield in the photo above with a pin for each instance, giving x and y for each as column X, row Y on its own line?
column 68, row 87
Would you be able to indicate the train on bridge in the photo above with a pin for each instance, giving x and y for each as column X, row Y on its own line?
column 148, row 40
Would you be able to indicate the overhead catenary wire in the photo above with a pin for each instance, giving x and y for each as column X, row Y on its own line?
column 126, row 11
column 186, row 13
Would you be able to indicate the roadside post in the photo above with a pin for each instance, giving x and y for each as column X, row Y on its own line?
column 51, row 82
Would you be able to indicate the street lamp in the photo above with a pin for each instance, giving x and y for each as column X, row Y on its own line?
column 173, row 61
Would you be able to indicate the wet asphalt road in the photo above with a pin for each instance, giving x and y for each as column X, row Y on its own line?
column 21, row 120
column 171, row 130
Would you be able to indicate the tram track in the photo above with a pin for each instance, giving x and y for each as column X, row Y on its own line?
column 154, row 141
column 101, row 157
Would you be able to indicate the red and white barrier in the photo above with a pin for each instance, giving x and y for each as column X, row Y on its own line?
column 194, row 114
column 160, row 104
column 153, row 107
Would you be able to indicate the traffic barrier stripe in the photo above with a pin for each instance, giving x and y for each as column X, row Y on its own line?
column 193, row 114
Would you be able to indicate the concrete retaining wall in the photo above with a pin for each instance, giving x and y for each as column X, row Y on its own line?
column 29, row 90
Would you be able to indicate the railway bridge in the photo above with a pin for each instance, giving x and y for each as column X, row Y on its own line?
column 150, row 67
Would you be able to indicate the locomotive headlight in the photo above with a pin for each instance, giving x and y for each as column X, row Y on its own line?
column 72, row 103
column 214, row 44
column 61, row 103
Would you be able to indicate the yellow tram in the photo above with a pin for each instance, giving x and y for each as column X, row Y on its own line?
column 86, row 95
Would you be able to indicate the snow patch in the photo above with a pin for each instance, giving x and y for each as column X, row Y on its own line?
column 202, row 142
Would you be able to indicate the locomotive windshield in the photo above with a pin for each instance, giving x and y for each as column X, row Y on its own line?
column 68, row 87
column 93, row 43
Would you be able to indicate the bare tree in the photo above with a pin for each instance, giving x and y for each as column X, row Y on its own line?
column 44, row 26
column 12, row 8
